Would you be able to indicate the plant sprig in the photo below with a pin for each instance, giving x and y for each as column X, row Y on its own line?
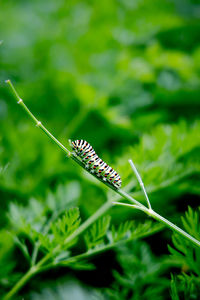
column 40, row 265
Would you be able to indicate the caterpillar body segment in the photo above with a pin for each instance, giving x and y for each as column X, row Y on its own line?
column 95, row 164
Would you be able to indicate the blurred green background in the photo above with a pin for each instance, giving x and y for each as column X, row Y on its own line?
column 123, row 75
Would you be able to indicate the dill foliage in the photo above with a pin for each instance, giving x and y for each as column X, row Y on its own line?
column 124, row 76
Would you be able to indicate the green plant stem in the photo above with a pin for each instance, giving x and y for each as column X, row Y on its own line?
column 36, row 268
column 140, row 182
column 175, row 228
column 20, row 283
column 35, row 253
column 161, row 219
column 38, row 123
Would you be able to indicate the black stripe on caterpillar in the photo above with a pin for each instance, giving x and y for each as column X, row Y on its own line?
column 95, row 164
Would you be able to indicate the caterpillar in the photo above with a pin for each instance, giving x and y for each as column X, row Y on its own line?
column 95, row 164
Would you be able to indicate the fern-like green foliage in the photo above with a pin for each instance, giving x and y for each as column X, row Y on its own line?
column 131, row 229
column 166, row 143
column 187, row 256
column 103, row 236
column 61, row 229
column 37, row 213
column 183, row 252
column 123, row 230
column 142, row 275
column 45, row 224
column 185, row 286
column 95, row 236
column 43, row 227
column 66, row 224
column 174, row 292
column 129, row 75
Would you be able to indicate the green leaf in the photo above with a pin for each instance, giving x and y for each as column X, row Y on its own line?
column 94, row 237
column 141, row 274
column 174, row 289
column 59, row 230
column 66, row 224
column 185, row 286
column 183, row 251
column 123, row 231
column 191, row 222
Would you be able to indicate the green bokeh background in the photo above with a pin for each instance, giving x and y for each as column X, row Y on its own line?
column 123, row 75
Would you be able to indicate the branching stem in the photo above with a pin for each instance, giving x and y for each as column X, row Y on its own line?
column 161, row 219
column 140, row 182
column 36, row 268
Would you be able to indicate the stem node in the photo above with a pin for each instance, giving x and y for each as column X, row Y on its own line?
column 38, row 124
column 150, row 212
column 20, row 101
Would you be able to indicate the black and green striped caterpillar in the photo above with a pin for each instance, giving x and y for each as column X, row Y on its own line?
column 95, row 164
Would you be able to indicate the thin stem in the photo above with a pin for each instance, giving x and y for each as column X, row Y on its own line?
column 38, row 123
column 128, row 197
column 140, row 182
column 126, row 204
column 35, row 253
column 161, row 219
column 20, row 283
column 172, row 226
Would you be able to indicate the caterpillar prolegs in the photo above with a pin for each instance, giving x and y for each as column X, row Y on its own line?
column 95, row 164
